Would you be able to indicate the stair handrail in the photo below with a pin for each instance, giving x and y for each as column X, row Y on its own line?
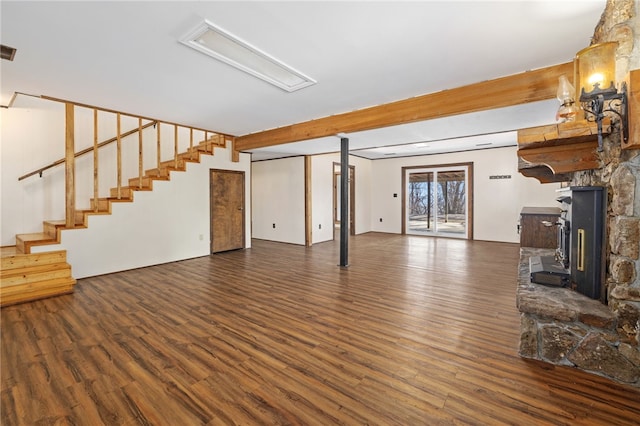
column 70, row 155
column 153, row 122
column 113, row 111
column 87, row 150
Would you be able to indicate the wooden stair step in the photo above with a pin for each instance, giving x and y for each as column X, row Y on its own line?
column 51, row 226
column 36, row 290
column 147, row 182
column 214, row 140
column 104, row 204
column 174, row 165
column 20, row 260
column 206, row 148
column 163, row 173
column 8, row 251
column 79, row 219
column 125, row 193
column 24, row 242
column 37, row 273
column 191, row 157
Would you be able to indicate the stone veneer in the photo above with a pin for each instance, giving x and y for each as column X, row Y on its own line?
column 563, row 327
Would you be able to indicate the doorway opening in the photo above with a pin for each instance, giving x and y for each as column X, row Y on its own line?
column 437, row 200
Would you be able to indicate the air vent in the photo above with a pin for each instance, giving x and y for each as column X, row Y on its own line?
column 213, row 41
column 8, row 53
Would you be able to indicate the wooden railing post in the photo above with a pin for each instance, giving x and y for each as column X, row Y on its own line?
column 69, row 168
column 175, row 146
column 95, row 160
column 158, row 150
column 140, row 158
column 191, row 143
column 119, row 157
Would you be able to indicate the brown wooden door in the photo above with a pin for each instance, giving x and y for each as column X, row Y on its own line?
column 227, row 210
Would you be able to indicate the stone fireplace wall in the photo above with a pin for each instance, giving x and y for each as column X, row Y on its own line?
column 620, row 173
column 565, row 328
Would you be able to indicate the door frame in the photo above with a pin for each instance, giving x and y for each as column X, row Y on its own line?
column 469, row 195
column 352, row 198
column 211, row 205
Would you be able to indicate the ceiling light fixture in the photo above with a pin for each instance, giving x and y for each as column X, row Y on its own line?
column 596, row 67
column 213, row 41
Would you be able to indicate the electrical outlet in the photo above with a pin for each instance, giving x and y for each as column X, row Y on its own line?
column 319, row 226
column 274, row 226
column 380, row 219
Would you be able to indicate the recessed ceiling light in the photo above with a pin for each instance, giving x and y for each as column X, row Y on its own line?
column 224, row 46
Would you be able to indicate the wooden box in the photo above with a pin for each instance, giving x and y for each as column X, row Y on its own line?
column 533, row 232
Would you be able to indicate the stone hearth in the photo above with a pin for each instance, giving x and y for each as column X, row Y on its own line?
column 563, row 327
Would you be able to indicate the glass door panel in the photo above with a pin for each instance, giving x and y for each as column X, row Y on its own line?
column 420, row 202
column 436, row 201
column 451, row 202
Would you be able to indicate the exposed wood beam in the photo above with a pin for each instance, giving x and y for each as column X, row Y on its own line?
column 529, row 86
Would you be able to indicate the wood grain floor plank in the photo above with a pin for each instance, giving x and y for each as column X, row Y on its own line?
column 417, row 331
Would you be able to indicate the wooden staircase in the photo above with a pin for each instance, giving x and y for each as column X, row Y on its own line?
column 26, row 276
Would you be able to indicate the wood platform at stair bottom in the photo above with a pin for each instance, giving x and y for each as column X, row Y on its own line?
column 26, row 277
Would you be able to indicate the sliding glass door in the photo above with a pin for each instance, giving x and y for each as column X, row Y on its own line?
column 436, row 201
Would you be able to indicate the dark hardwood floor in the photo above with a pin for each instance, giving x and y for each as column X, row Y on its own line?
column 417, row 331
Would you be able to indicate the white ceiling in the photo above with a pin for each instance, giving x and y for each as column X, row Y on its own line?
column 126, row 56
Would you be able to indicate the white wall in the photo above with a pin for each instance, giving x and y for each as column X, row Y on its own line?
column 278, row 198
column 496, row 203
column 30, row 138
column 322, row 197
column 278, row 194
column 363, row 193
column 160, row 226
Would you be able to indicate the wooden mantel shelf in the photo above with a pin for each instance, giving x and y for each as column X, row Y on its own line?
column 550, row 152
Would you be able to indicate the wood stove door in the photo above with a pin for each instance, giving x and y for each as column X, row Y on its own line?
column 587, row 240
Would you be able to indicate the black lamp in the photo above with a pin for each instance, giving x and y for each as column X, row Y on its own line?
column 599, row 97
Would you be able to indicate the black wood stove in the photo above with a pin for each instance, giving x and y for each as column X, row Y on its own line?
column 579, row 258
